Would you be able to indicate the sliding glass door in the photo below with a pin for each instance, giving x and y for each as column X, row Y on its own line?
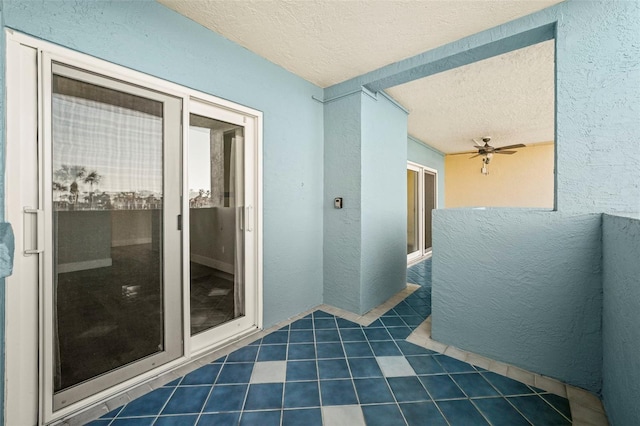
column 216, row 201
column 136, row 209
column 421, row 201
column 112, row 196
column 221, row 196
column 414, row 225
column 430, row 203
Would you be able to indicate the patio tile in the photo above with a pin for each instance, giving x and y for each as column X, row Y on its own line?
column 226, row 398
column 364, row 367
column 301, row 370
column 500, row 412
column 322, row 368
column 461, row 413
column 269, row 372
column 261, row 418
column 383, row 415
column 395, row 366
column 301, row 394
column 373, row 391
column 264, row 396
column 422, row 413
column 187, row 400
column 343, row 415
column 307, row 417
column 337, row 392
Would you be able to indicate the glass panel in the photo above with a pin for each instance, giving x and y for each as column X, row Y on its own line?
column 429, row 205
column 216, row 205
column 107, row 231
column 412, row 212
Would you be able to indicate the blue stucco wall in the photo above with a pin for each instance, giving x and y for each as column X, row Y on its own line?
column 598, row 106
column 342, row 178
column 146, row 36
column 384, row 207
column 423, row 154
column 365, row 163
column 598, row 170
column 621, row 319
column 522, row 287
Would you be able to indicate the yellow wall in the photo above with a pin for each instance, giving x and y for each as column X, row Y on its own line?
column 524, row 179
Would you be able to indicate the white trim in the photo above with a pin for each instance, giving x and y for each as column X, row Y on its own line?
column 423, row 252
column 204, row 106
column 21, row 296
column 131, row 242
column 17, row 385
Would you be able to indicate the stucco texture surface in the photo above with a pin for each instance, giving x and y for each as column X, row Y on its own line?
column 365, row 162
column 522, row 287
column 384, row 208
column 621, row 318
column 342, row 178
column 598, row 106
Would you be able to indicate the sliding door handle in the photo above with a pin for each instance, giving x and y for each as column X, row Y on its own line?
column 249, row 221
column 39, row 231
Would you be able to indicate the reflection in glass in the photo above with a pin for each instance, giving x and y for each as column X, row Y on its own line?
column 107, row 233
column 216, row 202
column 412, row 211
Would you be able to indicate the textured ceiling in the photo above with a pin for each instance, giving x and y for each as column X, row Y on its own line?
column 327, row 42
column 508, row 97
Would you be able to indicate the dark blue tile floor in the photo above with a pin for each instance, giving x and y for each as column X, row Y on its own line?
column 322, row 369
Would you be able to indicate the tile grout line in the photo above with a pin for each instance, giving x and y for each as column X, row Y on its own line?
column 506, row 397
column 315, row 350
column 284, row 384
column 425, row 340
column 346, row 360
column 215, row 379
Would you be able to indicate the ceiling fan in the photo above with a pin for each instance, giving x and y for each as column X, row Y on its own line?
column 487, row 151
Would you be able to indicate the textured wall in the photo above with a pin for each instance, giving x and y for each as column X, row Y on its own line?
column 342, row 178
column 525, row 179
column 365, row 162
column 423, row 154
column 145, row 36
column 621, row 319
column 521, row 286
column 384, row 207
column 598, row 106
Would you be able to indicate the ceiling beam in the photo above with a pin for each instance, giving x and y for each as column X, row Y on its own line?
column 513, row 35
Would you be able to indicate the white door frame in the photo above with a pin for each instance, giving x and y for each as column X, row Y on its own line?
column 24, row 387
column 422, row 252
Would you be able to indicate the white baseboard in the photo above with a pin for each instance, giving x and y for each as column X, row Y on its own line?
column 82, row 266
column 213, row 263
column 131, row 242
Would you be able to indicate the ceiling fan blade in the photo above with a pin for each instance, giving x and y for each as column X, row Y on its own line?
column 478, row 144
column 474, row 156
column 504, row 152
column 510, row 147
